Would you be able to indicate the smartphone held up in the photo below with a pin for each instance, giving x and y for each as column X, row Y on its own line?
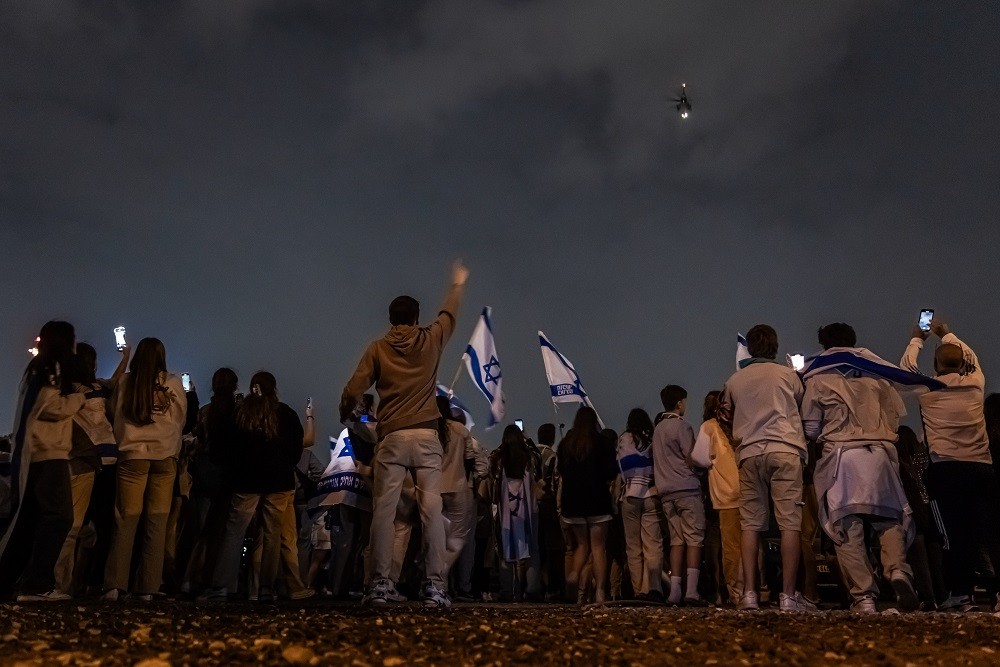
column 926, row 317
column 186, row 381
column 120, row 338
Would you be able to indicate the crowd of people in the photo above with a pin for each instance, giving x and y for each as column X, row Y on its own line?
column 129, row 488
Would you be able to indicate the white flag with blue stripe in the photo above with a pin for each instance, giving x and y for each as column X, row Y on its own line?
column 564, row 381
column 742, row 351
column 484, row 367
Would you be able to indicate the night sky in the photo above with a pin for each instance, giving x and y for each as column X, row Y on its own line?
column 254, row 185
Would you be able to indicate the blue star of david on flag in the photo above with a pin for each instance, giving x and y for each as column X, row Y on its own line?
column 484, row 367
column 492, row 371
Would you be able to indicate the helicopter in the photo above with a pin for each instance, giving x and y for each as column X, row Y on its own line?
column 683, row 106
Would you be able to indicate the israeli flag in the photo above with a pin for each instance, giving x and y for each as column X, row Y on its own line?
column 564, row 381
column 484, row 367
column 742, row 351
column 341, row 483
column 456, row 404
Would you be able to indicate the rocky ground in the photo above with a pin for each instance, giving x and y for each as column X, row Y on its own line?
column 181, row 633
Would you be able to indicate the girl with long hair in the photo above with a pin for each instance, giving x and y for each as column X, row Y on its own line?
column 41, row 491
column 268, row 444
column 514, row 472
column 149, row 408
column 92, row 467
column 586, row 464
column 641, row 507
column 713, row 449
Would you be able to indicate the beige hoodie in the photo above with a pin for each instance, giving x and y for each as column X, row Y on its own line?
column 159, row 440
column 48, row 432
column 403, row 366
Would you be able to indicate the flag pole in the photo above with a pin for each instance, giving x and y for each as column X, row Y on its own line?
column 454, row 380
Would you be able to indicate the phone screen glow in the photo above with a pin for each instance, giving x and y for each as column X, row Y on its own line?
column 120, row 337
column 926, row 316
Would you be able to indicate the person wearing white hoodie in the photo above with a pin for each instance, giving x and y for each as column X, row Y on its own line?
column 41, row 493
column 149, row 412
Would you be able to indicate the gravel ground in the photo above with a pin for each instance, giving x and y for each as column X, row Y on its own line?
column 181, row 633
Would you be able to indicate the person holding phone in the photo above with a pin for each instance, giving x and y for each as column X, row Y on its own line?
column 149, row 409
column 961, row 477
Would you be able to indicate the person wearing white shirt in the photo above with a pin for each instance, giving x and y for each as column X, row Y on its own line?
column 961, row 477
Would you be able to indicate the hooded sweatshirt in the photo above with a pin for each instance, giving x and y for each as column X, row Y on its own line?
column 403, row 367
column 157, row 441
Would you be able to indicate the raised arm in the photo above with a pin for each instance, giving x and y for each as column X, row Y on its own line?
column 309, row 432
column 444, row 325
column 911, row 355
column 122, row 365
column 971, row 369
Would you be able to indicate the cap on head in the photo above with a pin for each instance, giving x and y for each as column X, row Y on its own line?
column 404, row 310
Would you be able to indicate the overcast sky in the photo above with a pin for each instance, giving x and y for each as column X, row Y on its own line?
column 253, row 185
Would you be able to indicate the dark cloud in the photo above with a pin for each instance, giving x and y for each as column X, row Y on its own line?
column 253, row 181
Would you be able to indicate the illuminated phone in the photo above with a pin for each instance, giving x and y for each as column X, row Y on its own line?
column 796, row 361
column 520, row 424
column 120, row 338
column 186, row 381
column 926, row 316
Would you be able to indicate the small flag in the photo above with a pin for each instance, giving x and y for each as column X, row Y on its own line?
column 564, row 382
column 456, row 404
column 341, row 483
column 742, row 352
column 484, row 367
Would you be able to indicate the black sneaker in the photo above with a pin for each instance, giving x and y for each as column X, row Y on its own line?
column 906, row 597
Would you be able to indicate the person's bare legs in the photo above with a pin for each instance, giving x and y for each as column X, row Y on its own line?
column 580, row 555
column 791, row 551
column 749, row 544
column 599, row 555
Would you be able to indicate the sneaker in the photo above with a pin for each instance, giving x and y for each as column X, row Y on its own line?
column 906, row 597
column 748, row 602
column 794, row 603
column 378, row 594
column 142, row 598
column 111, row 595
column 864, row 605
column 436, row 598
column 961, row 604
column 464, row 597
column 395, row 596
column 305, row 594
column 213, row 595
column 655, row 596
column 51, row 596
column 695, row 602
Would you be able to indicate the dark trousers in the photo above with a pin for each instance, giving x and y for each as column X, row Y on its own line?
column 43, row 522
column 966, row 494
column 102, row 513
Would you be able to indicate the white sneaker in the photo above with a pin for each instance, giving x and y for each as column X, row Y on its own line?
column 748, row 602
column 111, row 595
column 794, row 603
column 51, row 596
column 378, row 594
column 906, row 596
column 864, row 605
column 436, row 598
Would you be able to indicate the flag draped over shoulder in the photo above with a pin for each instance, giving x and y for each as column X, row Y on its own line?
column 484, row 367
column 863, row 362
column 564, row 382
column 455, row 403
column 742, row 351
column 341, row 483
